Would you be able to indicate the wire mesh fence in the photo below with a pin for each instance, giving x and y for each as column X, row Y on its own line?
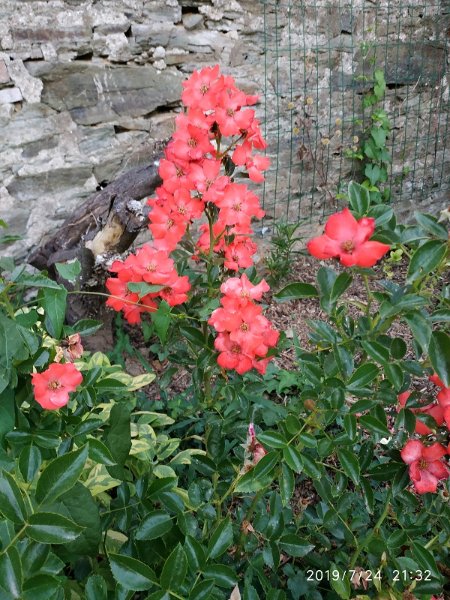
column 320, row 58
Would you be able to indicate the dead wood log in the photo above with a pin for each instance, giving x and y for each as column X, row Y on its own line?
column 108, row 222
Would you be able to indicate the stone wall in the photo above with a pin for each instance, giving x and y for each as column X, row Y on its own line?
column 89, row 87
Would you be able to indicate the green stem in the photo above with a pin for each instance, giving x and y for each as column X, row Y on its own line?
column 14, row 540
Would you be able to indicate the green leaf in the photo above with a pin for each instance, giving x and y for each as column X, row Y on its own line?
column 287, row 484
column 359, row 198
column 326, row 278
column 395, row 375
column 259, row 476
column 367, row 495
column 350, row 426
column 193, row 335
column 99, row 453
column 425, row 559
column 195, row 554
column 425, row 259
column 430, row 224
column 86, row 326
column 118, row 438
column 272, row 439
column 7, row 404
column 310, row 467
column 51, row 528
column 295, row 546
column 363, row 375
column 161, row 320
column 12, row 505
column 11, row 572
column 295, row 291
column 376, row 351
column 69, row 270
column 350, row 464
column 142, row 288
column 374, row 425
column 341, row 584
column 30, row 461
column 96, row 588
column 155, row 525
column 342, row 282
column 60, row 475
column 42, row 587
column 293, row 458
column 54, row 304
column 222, row 575
column 439, row 350
column 174, row 570
column 372, row 172
column 221, row 539
column 202, row 591
column 79, row 506
column 132, row 574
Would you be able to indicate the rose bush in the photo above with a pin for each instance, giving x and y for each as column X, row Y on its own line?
column 327, row 479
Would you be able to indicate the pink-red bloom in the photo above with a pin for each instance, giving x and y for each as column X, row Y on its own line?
column 426, row 467
column 53, row 386
column 245, row 335
column 433, row 410
column 347, row 239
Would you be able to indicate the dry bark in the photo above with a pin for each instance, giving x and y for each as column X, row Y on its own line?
column 108, row 222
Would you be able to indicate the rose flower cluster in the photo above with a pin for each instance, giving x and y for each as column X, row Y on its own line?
column 245, row 335
column 426, row 466
column 216, row 130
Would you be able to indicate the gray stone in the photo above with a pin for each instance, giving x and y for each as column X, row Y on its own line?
column 33, row 148
column 30, row 87
column 34, row 187
column 4, row 76
column 10, row 95
column 94, row 95
column 192, row 20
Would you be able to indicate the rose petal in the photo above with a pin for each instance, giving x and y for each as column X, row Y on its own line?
column 369, row 253
column 412, row 451
column 341, row 226
column 434, row 452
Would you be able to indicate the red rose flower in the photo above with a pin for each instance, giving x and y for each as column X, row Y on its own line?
column 425, row 465
column 52, row 387
column 348, row 239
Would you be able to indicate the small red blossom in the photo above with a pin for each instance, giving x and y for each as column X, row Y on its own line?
column 348, row 239
column 53, row 386
column 433, row 410
column 425, row 465
column 201, row 88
